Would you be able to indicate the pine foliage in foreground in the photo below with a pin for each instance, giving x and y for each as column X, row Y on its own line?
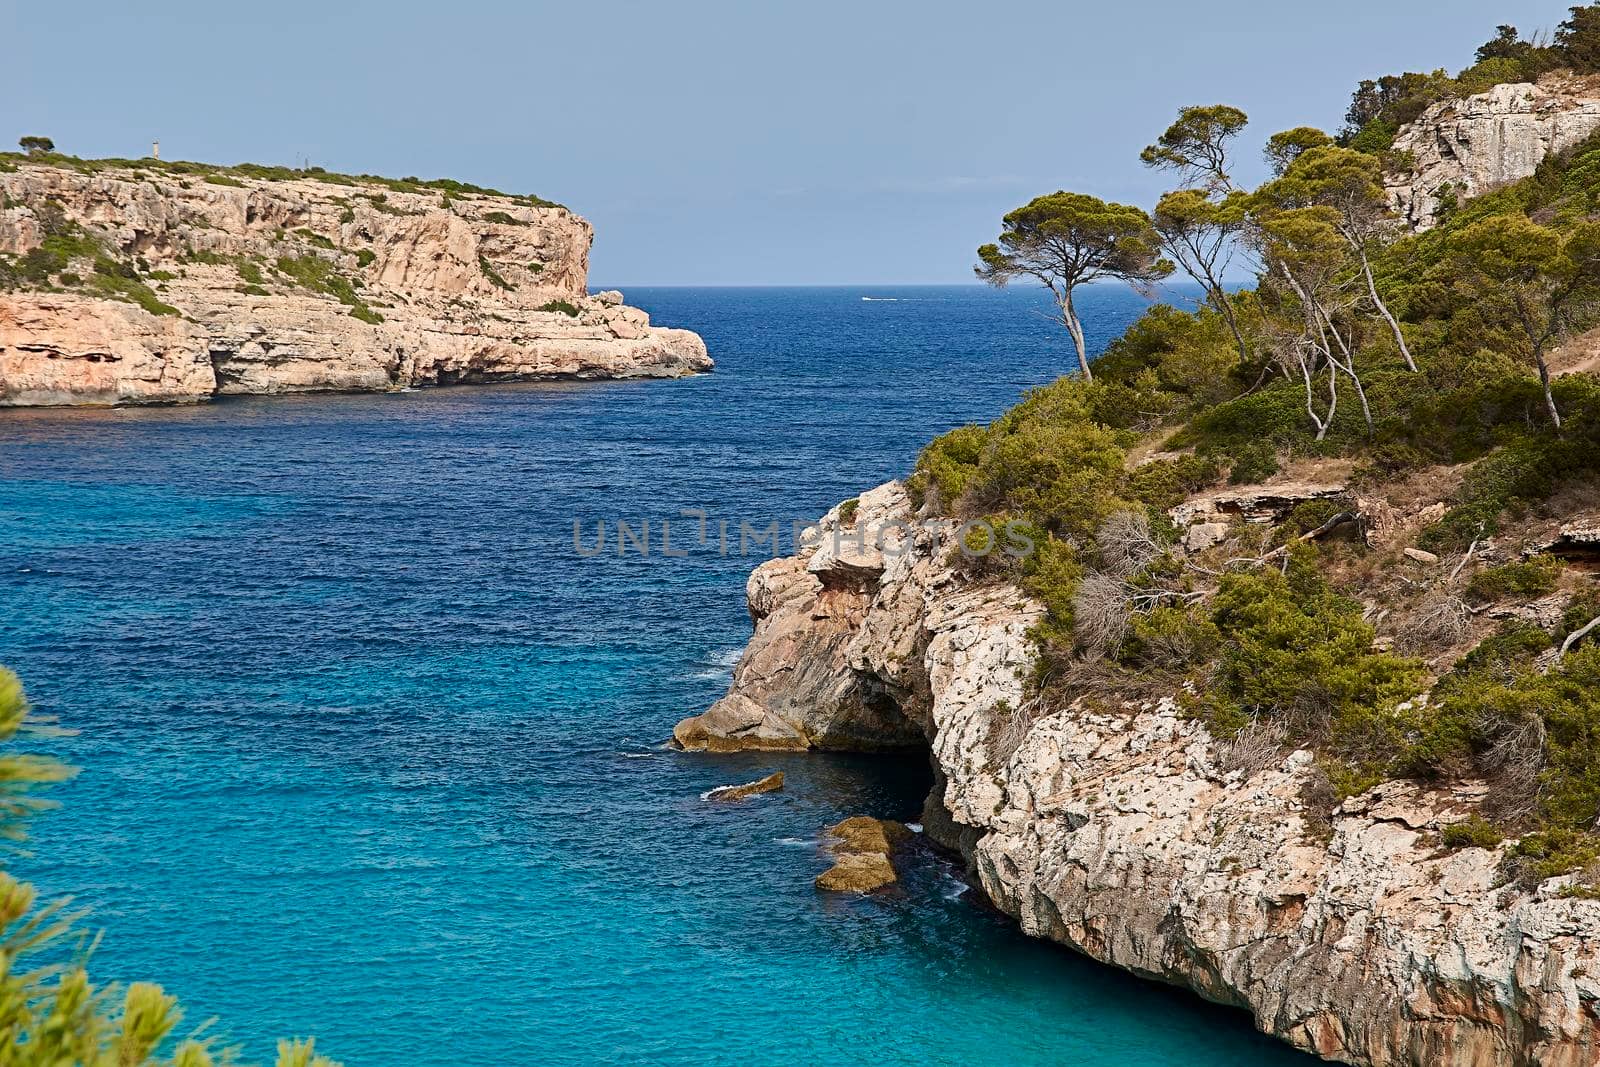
column 51, row 1012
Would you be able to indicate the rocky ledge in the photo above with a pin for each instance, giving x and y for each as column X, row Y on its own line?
column 138, row 282
column 1129, row 834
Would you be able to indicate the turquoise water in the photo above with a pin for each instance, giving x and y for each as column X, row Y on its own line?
column 369, row 752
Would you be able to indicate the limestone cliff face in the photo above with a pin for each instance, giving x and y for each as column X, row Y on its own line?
column 297, row 285
column 1121, row 833
column 1464, row 148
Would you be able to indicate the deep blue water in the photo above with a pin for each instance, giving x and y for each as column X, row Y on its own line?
column 369, row 752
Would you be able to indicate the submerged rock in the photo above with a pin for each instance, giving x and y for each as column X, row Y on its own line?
column 863, row 850
column 770, row 784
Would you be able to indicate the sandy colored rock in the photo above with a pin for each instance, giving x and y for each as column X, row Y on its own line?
column 1417, row 555
column 863, row 851
column 1204, row 535
column 1269, row 502
column 795, row 687
column 463, row 295
column 772, row 783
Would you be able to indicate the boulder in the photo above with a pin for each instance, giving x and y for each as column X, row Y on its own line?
column 772, row 783
column 1204, row 535
column 863, row 850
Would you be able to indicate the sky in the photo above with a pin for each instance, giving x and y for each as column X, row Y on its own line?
column 716, row 142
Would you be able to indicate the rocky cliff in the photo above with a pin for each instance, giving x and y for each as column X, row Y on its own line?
column 1122, row 829
column 1459, row 149
column 143, row 282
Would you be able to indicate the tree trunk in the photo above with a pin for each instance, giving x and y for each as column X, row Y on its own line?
column 1383, row 309
column 1348, row 366
column 1069, row 315
column 1225, row 306
column 1544, row 379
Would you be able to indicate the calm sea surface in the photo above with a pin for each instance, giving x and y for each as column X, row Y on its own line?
column 369, row 752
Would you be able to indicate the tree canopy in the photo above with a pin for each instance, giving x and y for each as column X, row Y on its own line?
column 1064, row 240
column 1196, row 146
column 1286, row 147
column 1545, row 281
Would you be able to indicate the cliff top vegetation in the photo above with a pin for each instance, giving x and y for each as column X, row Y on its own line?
column 1431, row 364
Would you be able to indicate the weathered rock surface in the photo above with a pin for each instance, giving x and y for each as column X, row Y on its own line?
column 470, row 288
column 795, row 687
column 1464, row 148
column 772, row 783
column 1120, row 834
column 1268, row 502
column 863, row 855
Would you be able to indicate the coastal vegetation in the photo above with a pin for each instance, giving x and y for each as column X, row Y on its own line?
column 1413, row 358
column 51, row 1011
column 42, row 150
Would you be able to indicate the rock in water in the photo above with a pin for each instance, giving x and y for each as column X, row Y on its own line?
column 862, row 855
column 770, row 784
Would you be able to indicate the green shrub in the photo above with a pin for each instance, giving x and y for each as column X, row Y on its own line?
column 1535, row 578
column 1051, row 574
column 948, row 464
column 365, row 257
column 319, row 275
column 1547, row 854
column 223, row 179
column 1472, row 832
column 503, row 218
column 562, row 307
column 500, row 283
column 1294, row 650
column 1164, row 484
column 315, row 238
column 1252, row 463
column 847, row 511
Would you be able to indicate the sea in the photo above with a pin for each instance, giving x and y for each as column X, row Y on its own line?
column 372, row 747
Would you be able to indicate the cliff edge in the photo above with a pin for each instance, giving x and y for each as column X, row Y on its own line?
column 140, row 281
column 1120, row 827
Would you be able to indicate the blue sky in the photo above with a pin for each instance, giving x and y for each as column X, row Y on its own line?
column 712, row 142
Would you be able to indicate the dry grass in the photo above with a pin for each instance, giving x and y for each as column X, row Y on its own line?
column 1254, row 749
column 1438, row 622
column 1101, row 614
column 1126, row 543
column 1516, row 758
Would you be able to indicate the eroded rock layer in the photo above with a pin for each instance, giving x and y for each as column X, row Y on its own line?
column 172, row 287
